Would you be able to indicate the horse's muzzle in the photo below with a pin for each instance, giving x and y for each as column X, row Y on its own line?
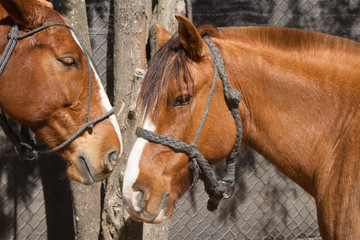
column 90, row 173
column 136, row 203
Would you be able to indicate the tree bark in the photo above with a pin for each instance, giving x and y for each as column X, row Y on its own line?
column 134, row 21
column 164, row 15
column 86, row 199
column 129, row 63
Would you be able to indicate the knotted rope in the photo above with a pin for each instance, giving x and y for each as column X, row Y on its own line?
column 26, row 147
column 216, row 189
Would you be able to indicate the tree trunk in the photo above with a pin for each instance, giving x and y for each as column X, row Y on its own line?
column 86, row 199
column 129, row 63
column 133, row 19
column 163, row 15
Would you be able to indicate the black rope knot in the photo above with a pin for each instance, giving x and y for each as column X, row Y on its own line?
column 233, row 97
column 26, row 151
column 228, row 188
column 193, row 152
column 13, row 35
column 213, row 202
column 224, row 189
column 194, row 166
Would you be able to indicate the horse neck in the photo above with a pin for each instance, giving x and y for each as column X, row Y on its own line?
column 290, row 114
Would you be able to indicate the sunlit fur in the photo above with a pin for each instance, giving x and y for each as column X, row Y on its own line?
column 46, row 95
column 299, row 109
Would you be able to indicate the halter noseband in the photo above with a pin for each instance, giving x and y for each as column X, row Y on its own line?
column 216, row 189
column 28, row 150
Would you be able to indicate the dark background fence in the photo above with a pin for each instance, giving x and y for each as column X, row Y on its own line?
column 35, row 200
column 266, row 204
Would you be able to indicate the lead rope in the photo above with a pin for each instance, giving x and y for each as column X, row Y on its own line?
column 216, row 189
column 21, row 146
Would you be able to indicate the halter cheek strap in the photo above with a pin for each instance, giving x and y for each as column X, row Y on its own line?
column 216, row 189
column 25, row 145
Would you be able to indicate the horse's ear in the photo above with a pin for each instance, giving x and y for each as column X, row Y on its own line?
column 189, row 37
column 47, row 4
column 26, row 13
column 162, row 35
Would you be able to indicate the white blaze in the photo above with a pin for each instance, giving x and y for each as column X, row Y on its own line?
column 104, row 98
column 132, row 167
column 106, row 103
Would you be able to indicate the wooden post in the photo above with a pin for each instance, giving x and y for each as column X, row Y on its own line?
column 86, row 199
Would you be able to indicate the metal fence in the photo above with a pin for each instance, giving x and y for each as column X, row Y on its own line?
column 266, row 204
column 35, row 200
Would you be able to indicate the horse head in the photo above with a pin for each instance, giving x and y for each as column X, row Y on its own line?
column 172, row 102
column 45, row 86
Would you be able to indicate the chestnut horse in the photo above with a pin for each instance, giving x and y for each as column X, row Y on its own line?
column 299, row 109
column 49, row 85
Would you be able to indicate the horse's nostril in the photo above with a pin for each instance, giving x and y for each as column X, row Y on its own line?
column 138, row 201
column 111, row 160
column 140, row 196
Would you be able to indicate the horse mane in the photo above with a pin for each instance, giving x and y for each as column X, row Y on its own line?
column 288, row 38
column 171, row 58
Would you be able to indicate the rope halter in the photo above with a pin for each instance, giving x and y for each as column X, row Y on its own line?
column 215, row 188
column 28, row 150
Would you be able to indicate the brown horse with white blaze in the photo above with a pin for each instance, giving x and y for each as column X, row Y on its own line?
column 45, row 86
column 299, row 109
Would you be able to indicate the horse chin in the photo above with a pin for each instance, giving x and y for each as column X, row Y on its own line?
column 85, row 175
column 84, row 178
column 83, row 172
column 143, row 217
column 164, row 213
column 161, row 217
column 86, row 165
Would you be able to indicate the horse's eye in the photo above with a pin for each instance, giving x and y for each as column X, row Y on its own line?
column 67, row 105
column 68, row 61
column 182, row 100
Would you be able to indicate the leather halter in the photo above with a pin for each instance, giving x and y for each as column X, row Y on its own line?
column 26, row 148
column 216, row 189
